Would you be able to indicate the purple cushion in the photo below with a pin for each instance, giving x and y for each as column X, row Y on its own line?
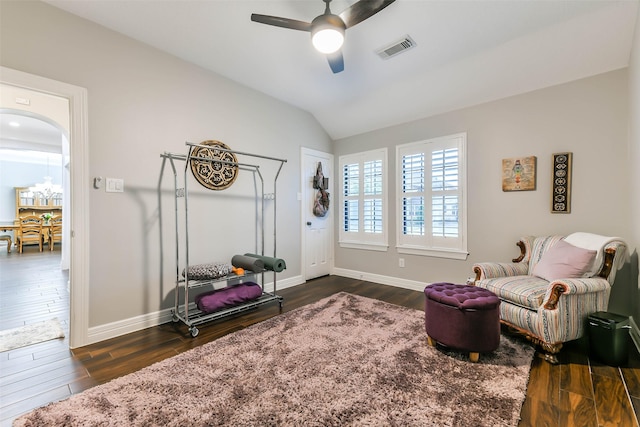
column 462, row 296
column 564, row 261
column 230, row 296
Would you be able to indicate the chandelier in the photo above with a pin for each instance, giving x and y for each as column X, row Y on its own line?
column 46, row 189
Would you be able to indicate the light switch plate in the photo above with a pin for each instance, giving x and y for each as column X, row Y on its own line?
column 114, row 185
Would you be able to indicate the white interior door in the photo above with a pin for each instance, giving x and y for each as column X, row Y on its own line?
column 317, row 231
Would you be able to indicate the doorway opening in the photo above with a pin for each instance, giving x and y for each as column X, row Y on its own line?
column 34, row 182
column 14, row 85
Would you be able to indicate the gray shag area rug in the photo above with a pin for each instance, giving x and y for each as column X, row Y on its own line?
column 30, row 334
column 345, row 360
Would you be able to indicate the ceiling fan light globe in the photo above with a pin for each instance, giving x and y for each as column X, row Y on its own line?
column 327, row 40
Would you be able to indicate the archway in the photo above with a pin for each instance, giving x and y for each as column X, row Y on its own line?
column 30, row 138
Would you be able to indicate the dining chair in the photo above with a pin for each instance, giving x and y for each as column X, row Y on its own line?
column 55, row 230
column 30, row 231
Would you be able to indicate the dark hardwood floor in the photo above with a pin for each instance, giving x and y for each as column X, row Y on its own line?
column 577, row 392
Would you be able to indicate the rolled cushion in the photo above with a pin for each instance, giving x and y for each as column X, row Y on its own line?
column 208, row 271
column 270, row 263
column 564, row 261
column 248, row 263
column 231, row 296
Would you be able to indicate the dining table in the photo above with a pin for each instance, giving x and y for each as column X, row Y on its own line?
column 15, row 227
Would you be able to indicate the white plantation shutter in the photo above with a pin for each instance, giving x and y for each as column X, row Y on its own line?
column 444, row 199
column 372, row 209
column 363, row 197
column 431, row 205
column 413, row 194
column 351, row 192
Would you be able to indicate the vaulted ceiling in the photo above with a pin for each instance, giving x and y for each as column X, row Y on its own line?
column 466, row 53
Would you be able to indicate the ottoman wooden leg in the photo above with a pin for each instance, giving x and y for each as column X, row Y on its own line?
column 431, row 341
column 473, row 356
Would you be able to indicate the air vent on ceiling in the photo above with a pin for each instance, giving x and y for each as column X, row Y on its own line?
column 397, row 47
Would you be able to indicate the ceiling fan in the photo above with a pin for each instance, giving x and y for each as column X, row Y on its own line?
column 327, row 30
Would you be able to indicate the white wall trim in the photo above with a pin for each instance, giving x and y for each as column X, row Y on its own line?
column 282, row 283
column 134, row 324
column 149, row 320
column 126, row 326
column 413, row 285
column 79, row 152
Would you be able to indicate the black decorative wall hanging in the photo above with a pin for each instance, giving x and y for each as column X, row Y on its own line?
column 561, row 183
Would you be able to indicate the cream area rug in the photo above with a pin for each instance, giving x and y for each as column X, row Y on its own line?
column 345, row 360
column 30, row 334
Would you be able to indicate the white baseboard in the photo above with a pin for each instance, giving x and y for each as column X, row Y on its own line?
column 283, row 283
column 126, row 326
column 134, row 324
column 413, row 285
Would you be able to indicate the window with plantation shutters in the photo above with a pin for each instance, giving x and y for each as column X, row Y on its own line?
column 363, row 199
column 432, row 198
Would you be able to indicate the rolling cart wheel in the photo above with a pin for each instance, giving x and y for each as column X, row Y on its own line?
column 174, row 318
column 194, row 331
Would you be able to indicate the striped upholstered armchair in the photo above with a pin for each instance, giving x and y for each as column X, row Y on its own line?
column 556, row 282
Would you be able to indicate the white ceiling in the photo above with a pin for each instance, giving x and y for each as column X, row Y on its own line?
column 468, row 52
column 23, row 132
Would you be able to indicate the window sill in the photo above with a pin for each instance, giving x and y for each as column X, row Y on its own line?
column 379, row 247
column 433, row 252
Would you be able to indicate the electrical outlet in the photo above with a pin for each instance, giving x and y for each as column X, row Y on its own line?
column 401, row 262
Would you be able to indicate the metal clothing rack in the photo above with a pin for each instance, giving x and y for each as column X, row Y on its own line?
column 188, row 312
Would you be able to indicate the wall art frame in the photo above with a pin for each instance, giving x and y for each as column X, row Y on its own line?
column 561, row 182
column 519, row 174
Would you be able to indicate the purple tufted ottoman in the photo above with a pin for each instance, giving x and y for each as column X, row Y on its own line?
column 463, row 317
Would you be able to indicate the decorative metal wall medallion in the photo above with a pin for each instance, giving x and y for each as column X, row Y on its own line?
column 561, row 183
column 214, row 175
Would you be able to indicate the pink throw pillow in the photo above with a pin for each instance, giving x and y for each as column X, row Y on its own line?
column 564, row 261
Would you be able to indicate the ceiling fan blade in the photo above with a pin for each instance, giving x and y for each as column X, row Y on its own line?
column 336, row 62
column 281, row 22
column 358, row 12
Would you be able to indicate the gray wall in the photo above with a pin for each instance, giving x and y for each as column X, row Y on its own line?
column 588, row 117
column 143, row 102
